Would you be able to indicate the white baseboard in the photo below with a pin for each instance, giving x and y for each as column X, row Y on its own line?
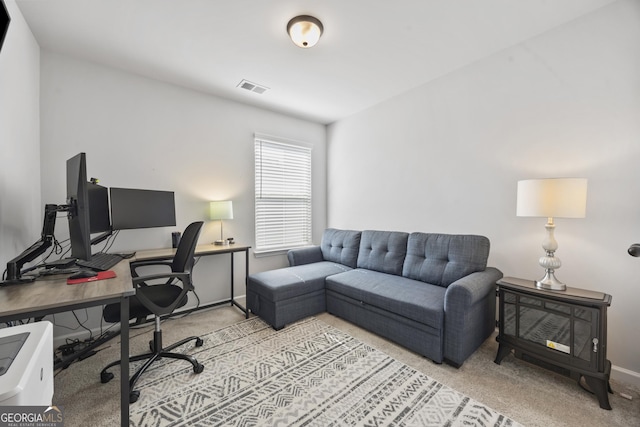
column 626, row 376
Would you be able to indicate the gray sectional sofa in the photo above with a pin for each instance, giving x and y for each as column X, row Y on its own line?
column 432, row 293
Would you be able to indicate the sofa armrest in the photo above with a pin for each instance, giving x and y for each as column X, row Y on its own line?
column 305, row 255
column 470, row 313
column 470, row 289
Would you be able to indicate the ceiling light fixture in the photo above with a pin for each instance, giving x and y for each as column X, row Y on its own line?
column 305, row 30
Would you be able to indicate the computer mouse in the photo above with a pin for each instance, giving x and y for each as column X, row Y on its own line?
column 83, row 274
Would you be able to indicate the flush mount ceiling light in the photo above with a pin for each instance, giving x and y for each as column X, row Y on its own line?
column 305, row 30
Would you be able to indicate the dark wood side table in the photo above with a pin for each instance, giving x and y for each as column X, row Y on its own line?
column 565, row 331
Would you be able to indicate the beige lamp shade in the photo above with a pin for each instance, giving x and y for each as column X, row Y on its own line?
column 552, row 198
column 221, row 210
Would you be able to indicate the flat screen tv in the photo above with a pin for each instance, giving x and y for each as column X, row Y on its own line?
column 133, row 208
column 4, row 22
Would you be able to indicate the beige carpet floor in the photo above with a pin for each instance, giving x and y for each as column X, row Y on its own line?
column 530, row 395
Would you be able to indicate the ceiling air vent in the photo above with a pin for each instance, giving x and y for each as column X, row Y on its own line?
column 253, row 87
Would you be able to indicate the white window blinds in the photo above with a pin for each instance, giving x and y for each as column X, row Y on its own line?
column 283, row 194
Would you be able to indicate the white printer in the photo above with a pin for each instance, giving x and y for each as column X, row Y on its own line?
column 26, row 365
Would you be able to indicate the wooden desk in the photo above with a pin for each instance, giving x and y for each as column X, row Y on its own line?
column 52, row 295
column 204, row 250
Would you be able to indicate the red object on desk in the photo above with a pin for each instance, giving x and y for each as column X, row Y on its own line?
column 109, row 274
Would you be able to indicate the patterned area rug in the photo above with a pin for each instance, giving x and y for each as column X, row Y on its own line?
column 307, row 374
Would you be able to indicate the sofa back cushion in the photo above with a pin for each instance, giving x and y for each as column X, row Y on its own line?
column 340, row 246
column 441, row 259
column 383, row 251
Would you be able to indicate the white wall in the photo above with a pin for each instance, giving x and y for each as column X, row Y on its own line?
column 446, row 157
column 21, row 211
column 141, row 133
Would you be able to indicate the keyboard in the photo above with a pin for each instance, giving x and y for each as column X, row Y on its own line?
column 100, row 261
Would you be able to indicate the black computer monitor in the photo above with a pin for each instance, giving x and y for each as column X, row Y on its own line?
column 99, row 219
column 78, row 202
column 132, row 208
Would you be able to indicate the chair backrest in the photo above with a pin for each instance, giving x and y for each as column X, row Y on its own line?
column 183, row 259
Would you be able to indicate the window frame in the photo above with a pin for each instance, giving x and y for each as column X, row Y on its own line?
column 285, row 199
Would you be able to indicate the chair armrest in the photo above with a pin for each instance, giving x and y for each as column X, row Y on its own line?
column 142, row 263
column 303, row 256
column 135, row 264
column 182, row 276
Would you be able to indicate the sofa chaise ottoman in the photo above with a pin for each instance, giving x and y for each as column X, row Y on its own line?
column 285, row 295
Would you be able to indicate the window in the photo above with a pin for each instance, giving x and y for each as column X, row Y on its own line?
column 283, row 194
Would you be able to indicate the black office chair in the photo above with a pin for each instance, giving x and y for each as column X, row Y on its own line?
column 159, row 300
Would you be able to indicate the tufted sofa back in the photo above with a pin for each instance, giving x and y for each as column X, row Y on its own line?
column 441, row 259
column 383, row 251
column 340, row 246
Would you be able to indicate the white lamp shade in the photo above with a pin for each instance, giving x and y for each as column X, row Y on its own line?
column 552, row 198
column 221, row 210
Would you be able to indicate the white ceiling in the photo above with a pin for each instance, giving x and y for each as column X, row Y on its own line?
column 371, row 50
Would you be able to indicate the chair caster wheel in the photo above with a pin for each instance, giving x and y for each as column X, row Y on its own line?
column 199, row 368
column 199, row 342
column 134, row 396
column 105, row 377
column 151, row 346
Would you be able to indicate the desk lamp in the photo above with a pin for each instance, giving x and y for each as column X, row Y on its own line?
column 552, row 198
column 219, row 211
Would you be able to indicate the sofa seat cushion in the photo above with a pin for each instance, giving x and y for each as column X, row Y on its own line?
column 289, row 282
column 415, row 300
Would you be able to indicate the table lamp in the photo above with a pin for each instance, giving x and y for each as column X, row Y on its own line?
column 552, row 198
column 219, row 211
